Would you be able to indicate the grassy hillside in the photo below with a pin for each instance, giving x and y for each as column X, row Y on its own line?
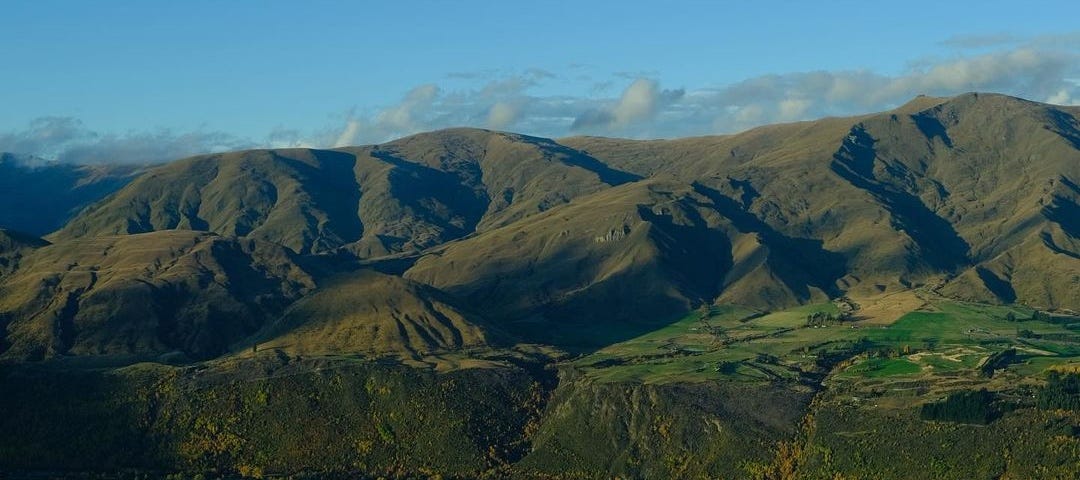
column 606, row 239
column 373, row 314
column 145, row 295
column 624, row 259
column 889, row 200
column 297, row 198
column 518, row 175
column 377, row 200
column 927, row 191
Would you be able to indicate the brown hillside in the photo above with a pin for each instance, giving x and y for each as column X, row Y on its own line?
column 929, row 190
column 372, row 313
column 638, row 253
column 403, row 196
column 144, row 295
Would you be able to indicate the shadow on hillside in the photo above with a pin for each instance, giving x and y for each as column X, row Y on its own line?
column 333, row 188
column 1065, row 125
column 939, row 243
column 436, row 196
column 1064, row 211
column 702, row 257
column 70, row 188
column 815, row 266
column 563, row 325
column 1048, row 240
column 577, row 158
column 932, row 128
column 696, row 260
column 1001, row 288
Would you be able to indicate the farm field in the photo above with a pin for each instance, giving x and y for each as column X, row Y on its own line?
column 943, row 339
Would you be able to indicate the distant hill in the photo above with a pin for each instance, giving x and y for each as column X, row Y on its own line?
column 13, row 246
column 403, row 196
column 39, row 198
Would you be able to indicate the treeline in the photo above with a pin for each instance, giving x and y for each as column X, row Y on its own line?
column 820, row 319
column 1062, row 392
column 1041, row 316
column 975, row 407
column 835, row 353
column 1057, row 337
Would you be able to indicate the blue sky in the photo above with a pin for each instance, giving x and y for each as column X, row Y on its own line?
column 152, row 80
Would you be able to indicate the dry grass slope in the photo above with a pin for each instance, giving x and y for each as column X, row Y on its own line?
column 371, row 313
column 935, row 188
column 144, row 295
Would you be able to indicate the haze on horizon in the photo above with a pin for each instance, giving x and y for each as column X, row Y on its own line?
column 126, row 81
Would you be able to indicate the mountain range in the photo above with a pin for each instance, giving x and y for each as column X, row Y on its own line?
column 487, row 304
column 547, row 239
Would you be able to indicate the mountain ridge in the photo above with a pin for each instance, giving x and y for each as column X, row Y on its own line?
column 974, row 196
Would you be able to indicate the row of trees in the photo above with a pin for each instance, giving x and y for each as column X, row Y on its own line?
column 1061, row 392
column 963, row 407
column 1041, row 316
column 816, row 319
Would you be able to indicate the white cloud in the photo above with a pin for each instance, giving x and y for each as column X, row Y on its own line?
column 638, row 102
column 1026, row 72
column 349, row 135
column 502, row 114
column 793, row 109
column 643, row 109
column 1062, row 97
column 637, row 105
column 749, row 114
column 282, row 137
column 401, row 116
column 501, row 103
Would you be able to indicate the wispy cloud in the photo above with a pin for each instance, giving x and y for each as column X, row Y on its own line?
column 981, row 40
column 66, row 139
column 642, row 108
column 1033, row 74
column 629, row 104
column 503, row 102
column 1007, row 40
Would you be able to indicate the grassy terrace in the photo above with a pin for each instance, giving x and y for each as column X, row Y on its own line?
column 943, row 338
